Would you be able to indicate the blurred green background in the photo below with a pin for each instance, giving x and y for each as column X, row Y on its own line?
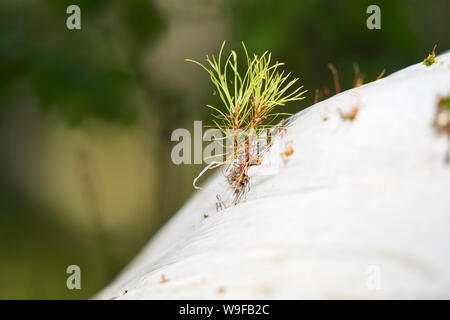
column 86, row 115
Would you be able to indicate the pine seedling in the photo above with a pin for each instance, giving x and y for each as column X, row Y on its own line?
column 249, row 109
column 430, row 59
column 442, row 122
column 442, row 116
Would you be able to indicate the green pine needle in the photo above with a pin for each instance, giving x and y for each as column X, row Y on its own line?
column 249, row 100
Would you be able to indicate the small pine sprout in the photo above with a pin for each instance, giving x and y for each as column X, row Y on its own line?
column 430, row 59
column 445, row 103
column 442, row 122
column 442, row 117
column 358, row 81
column 249, row 108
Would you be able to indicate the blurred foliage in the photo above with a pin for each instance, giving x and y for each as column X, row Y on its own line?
column 101, row 72
column 76, row 75
column 91, row 72
column 309, row 34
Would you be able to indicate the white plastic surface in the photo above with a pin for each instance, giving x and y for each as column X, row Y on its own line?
column 361, row 209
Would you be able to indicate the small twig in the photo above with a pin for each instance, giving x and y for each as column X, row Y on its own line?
column 337, row 86
column 381, row 75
